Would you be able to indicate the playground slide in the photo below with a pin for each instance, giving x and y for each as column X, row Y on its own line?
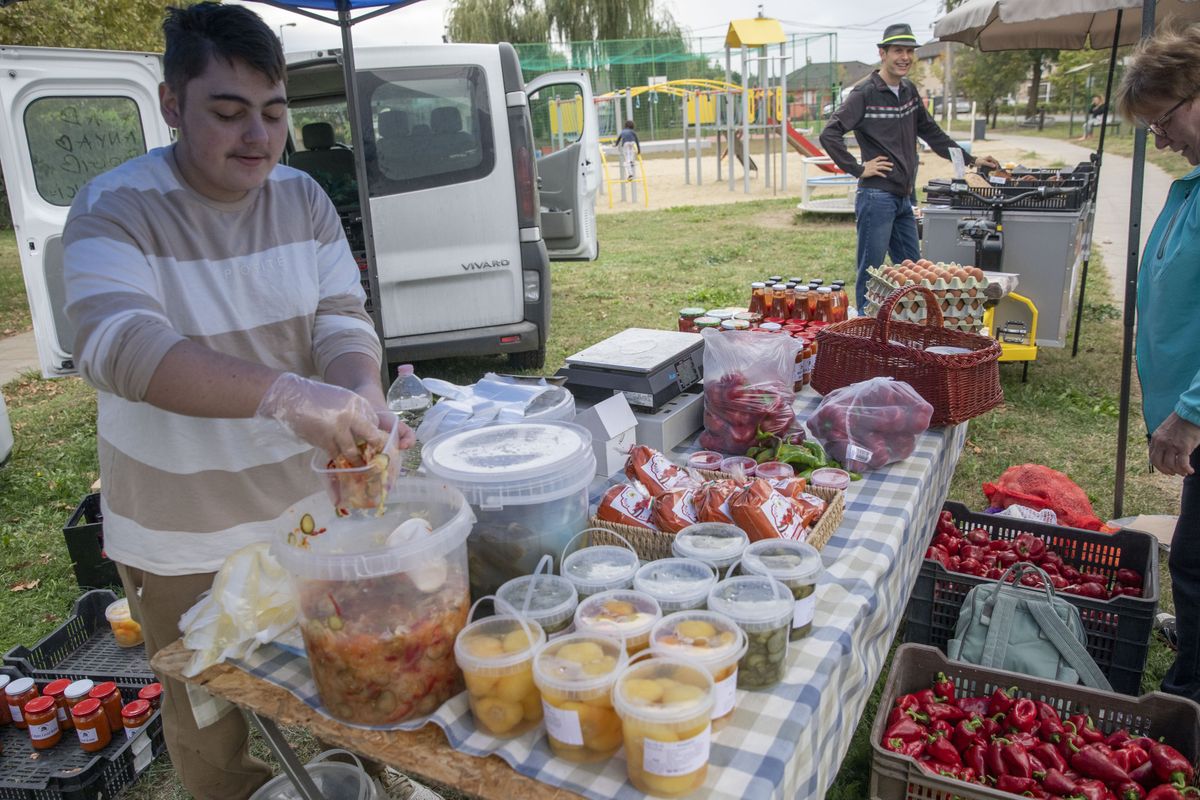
column 737, row 151
column 804, row 147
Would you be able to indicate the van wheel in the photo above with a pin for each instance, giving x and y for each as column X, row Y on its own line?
column 528, row 359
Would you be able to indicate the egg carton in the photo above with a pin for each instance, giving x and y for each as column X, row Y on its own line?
column 954, row 287
column 950, row 306
column 968, row 321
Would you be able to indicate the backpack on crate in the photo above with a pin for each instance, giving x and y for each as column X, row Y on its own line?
column 1029, row 630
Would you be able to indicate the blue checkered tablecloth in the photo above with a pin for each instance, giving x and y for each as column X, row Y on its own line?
column 786, row 742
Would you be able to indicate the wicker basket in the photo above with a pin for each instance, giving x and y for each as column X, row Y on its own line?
column 959, row 386
column 652, row 545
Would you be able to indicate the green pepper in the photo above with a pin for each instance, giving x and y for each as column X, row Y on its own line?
column 797, row 456
column 818, row 452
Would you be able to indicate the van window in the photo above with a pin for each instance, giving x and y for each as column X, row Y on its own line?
column 429, row 126
column 74, row 139
column 557, row 115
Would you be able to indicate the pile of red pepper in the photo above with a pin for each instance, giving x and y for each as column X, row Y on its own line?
column 1023, row 746
column 736, row 411
column 977, row 553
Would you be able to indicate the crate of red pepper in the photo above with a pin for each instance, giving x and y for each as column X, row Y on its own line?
column 1111, row 578
column 946, row 729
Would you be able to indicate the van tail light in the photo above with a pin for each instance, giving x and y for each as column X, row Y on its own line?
column 521, row 136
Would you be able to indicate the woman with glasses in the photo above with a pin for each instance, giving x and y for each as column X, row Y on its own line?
column 1159, row 92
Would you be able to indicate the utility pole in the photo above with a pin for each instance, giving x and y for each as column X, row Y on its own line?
column 281, row 27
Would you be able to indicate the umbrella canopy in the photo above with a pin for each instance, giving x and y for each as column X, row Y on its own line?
column 1053, row 24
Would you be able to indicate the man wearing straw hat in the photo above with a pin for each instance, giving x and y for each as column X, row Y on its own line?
column 886, row 115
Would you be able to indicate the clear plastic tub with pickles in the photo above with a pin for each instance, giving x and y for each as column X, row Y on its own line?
column 719, row 544
column 797, row 565
column 678, row 584
column 545, row 598
column 575, row 675
column 496, row 658
column 710, row 639
column 624, row 614
column 599, row 567
column 763, row 608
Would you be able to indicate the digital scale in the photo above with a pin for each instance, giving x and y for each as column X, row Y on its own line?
column 649, row 367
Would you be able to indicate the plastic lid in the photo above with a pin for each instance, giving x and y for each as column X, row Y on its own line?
column 691, row 311
column 151, row 691
column 830, row 476
column 496, row 642
column 755, row 602
column 796, row 281
column 824, row 290
column 18, row 687
column 39, row 705
column 4, row 679
column 600, row 567
column 56, row 688
column 705, row 459
column 721, row 314
column 85, row 707
column 579, row 662
column 118, row 610
column 775, row 278
column 404, row 370
column 775, row 470
column 519, row 463
column 80, row 688
column 716, row 543
column 707, row 637
column 758, row 285
column 640, row 693
column 135, row 708
column 623, row 613
column 784, row 560
column 770, row 326
column 102, row 690
column 553, row 597
column 676, row 583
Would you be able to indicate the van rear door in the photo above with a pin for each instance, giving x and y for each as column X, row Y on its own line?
column 567, row 136
column 68, row 115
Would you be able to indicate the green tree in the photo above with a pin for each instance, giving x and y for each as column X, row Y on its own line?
column 498, row 21
column 98, row 24
column 1038, row 59
column 986, row 78
column 524, row 21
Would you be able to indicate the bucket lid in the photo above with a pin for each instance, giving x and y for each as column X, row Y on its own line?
column 624, row 613
column 716, row 543
column 706, row 637
column 518, row 463
column 497, row 642
column 599, row 567
column 553, row 597
column 641, row 691
column 676, row 582
column 755, row 602
column 784, row 560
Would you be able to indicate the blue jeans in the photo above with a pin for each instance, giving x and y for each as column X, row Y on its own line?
column 1183, row 678
column 885, row 225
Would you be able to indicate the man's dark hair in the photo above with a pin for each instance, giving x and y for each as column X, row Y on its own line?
column 629, row 124
column 195, row 34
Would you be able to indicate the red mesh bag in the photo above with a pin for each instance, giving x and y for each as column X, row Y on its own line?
column 1039, row 487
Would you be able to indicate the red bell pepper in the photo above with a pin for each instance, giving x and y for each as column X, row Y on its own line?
column 1090, row 589
column 1024, row 738
column 1092, row 577
column 909, row 713
column 1050, row 757
column 926, row 696
column 994, row 574
column 906, row 730
column 1007, row 558
column 979, row 537
column 942, row 727
column 1058, row 582
column 916, row 749
column 1029, row 547
column 1069, row 572
column 1129, row 577
column 908, row 701
column 1000, row 545
column 944, row 711
column 1001, row 700
column 1144, row 774
column 966, row 733
column 942, row 751
column 947, row 543
column 1015, row 758
column 1134, row 756
column 1052, row 559
column 972, row 566
column 1170, row 766
column 1127, row 591
column 1086, row 728
column 975, row 757
column 1023, row 715
column 944, row 687
column 1095, row 763
column 1118, row 738
column 1058, row 783
column 1092, row 790
column 1168, row 791
column 974, row 552
column 994, row 757
column 990, row 728
column 1129, row 790
column 1015, row 784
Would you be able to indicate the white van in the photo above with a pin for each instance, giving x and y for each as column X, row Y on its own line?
column 467, row 203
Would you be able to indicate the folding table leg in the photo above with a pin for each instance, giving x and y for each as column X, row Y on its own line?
column 287, row 757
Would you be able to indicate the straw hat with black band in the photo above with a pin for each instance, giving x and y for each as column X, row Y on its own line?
column 900, row 34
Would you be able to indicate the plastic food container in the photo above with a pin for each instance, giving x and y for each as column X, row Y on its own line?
column 624, row 614
column 600, row 567
column 707, row 638
column 125, row 630
column 552, row 600
column 527, row 484
column 575, row 675
column 556, row 403
column 718, row 544
column 763, row 608
column 831, row 478
column 678, row 584
column 775, row 471
column 706, row 459
column 381, row 600
column 748, row 466
column 361, row 489
column 496, row 658
column 665, row 706
column 797, row 566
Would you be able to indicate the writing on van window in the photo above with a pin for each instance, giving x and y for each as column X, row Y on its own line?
column 74, row 139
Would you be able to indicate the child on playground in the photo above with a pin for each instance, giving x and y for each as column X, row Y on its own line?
column 627, row 140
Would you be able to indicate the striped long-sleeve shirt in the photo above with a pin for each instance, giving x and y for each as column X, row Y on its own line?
column 148, row 263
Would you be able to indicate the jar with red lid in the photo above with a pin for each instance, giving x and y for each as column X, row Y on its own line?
column 16, row 695
column 152, row 694
column 56, row 689
column 91, row 725
column 41, row 719
column 5, row 717
column 135, row 716
column 110, row 700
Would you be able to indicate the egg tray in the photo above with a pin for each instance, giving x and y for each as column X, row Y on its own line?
column 956, row 288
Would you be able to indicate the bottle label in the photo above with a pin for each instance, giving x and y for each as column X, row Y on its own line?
column 62, row 714
column 563, row 724
column 132, row 732
column 726, row 695
column 803, row 613
column 44, row 731
column 671, row 759
column 87, row 735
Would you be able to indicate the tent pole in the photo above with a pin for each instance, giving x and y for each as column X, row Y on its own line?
column 1131, row 273
column 1112, row 66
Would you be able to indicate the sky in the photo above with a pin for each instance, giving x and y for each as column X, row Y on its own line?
column 859, row 24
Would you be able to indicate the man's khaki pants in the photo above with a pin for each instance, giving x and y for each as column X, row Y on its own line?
column 213, row 763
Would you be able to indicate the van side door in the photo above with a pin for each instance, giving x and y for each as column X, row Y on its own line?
column 68, row 115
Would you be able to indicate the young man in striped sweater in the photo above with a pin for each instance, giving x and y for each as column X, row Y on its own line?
column 218, row 313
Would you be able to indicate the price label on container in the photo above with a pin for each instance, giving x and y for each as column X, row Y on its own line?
column 671, row 759
column 563, row 724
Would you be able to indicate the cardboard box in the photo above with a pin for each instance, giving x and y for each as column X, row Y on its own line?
column 614, row 431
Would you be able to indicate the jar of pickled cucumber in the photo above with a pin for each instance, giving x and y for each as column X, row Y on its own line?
column 797, row 565
column 575, row 675
column 718, row 544
column 678, row 584
column 762, row 607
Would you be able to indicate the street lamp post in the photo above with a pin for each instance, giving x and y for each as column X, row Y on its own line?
column 281, row 27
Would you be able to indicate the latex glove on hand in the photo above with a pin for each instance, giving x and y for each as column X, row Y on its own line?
column 328, row 417
column 405, row 437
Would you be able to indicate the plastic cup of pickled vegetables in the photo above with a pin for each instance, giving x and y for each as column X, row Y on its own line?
column 361, row 485
column 624, row 614
column 710, row 639
column 575, row 674
column 549, row 600
column 716, row 543
column 381, row 599
column 600, row 567
column 126, row 630
column 797, row 565
column 678, row 584
column 496, row 658
column 762, row 607
column 665, row 706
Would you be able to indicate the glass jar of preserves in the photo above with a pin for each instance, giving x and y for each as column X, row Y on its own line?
column 135, row 716
column 751, row 317
column 818, row 282
column 758, row 303
column 706, row 322
column 152, row 694
column 807, row 352
column 5, row 717
column 41, row 719
column 56, row 689
column 687, row 319
column 798, row 372
column 110, row 700
column 77, row 692
column 840, row 299
column 735, row 325
column 17, row 694
column 824, row 305
column 91, row 725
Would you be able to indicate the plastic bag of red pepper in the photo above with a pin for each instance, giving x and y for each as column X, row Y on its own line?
column 1023, row 746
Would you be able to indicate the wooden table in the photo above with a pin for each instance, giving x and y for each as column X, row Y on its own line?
column 423, row 753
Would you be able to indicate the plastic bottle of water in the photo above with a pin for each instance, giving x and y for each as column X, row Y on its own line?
column 409, row 399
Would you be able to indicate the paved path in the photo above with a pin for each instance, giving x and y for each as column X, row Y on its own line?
column 18, row 354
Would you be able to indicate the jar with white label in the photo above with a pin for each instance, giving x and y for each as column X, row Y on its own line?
column 575, row 675
column 718, row 544
column 678, row 584
column 549, row 600
column 797, row 565
column 710, row 639
column 762, row 607
column 624, row 614
column 665, row 705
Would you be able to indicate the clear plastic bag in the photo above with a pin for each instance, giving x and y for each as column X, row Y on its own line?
column 747, row 388
column 870, row 424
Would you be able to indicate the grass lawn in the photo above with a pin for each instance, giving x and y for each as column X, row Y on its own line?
column 14, row 308
column 652, row 264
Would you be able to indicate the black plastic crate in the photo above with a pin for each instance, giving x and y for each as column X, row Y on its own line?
column 1071, row 201
column 1118, row 630
column 84, row 647
column 84, row 533
column 65, row 771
